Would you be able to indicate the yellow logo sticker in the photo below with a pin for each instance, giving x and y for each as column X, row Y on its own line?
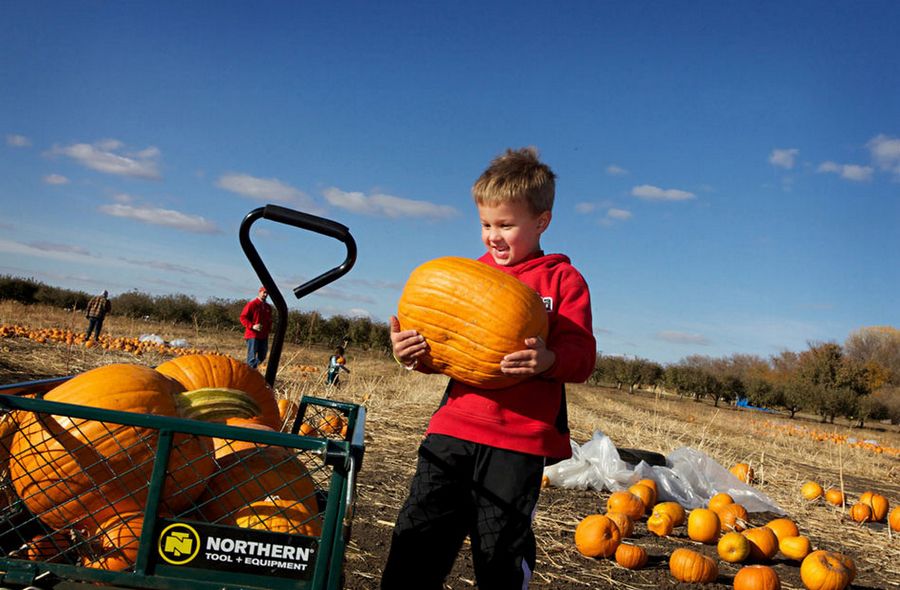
column 179, row 543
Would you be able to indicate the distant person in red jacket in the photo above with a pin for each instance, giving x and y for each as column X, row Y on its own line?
column 480, row 465
column 257, row 319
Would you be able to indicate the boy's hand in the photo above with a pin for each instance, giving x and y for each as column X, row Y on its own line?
column 534, row 360
column 407, row 345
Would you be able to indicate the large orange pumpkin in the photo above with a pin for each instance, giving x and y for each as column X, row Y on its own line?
column 626, row 503
column 249, row 473
column 471, row 315
column 281, row 516
column 878, row 503
column 795, row 548
column 703, row 525
column 74, row 471
column 756, row 577
column 763, row 543
column 197, row 371
column 783, row 527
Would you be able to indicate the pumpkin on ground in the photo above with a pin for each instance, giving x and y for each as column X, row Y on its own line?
column 196, row 371
column 795, row 548
column 660, row 524
column 703, row 526
column 689, row 566
column 834, row 496
column 597, row 536
column 763, row 543
column 743, row 472
column 878, row 503
column 894, row 519
column 827, row 570
column 71, row 471
column 756, row 577
column 811, row 491
column 631, row 556
column 471, row 316
column 719, row 500
column 646, row 494
column 783, row 527
column 861, row 512
column 674, row 510
column 733, row 547
column 733, row 517
column 623, row 521
column 626, row 503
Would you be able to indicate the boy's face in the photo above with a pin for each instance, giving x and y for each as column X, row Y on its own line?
column 511, row 231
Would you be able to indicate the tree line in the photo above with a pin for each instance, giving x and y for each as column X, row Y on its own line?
column 303, row 328
column 859, row 380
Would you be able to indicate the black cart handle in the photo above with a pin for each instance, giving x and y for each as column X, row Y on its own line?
column 312, row 223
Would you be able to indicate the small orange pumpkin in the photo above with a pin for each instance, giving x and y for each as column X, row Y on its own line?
column 763, row 543
column 718, row 501
column 660, row 524
column 597, row 536
column 861, row 512
column 894, row 519
column 626, row 503
column 674, row 510
column 623, row 521
column 631, row 556
column 783, row 527
column 733, row 547
column 689, row 566
column 646, row 494
column 703, row 526
column 834, row 497
column 878, row 503
column 757, row 577
column 826, row 570
column 651, row 483
column 795, row 548
column 733, row 517
column 280, row 516
column 743, row 472
column 811, row 491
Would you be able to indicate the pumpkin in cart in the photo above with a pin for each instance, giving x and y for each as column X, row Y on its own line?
column 471, row 316
column 196, row 371
column 72, row 471
column 280, row 516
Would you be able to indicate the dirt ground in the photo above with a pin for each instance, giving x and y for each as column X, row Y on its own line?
column 400, row 404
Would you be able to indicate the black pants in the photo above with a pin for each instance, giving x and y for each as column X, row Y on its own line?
column 462, row 488
column 94, row 324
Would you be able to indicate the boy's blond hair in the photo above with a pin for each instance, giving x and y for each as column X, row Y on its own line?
column 517, row 175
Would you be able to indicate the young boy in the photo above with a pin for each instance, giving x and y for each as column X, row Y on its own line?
column 480, row 465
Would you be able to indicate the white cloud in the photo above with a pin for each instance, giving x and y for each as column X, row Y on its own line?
column 654, row 193
column 853, row 172
column 63, row 248
column 682, row 338
column 621, row 214
column 886, row 153
column 614, row 170
column 585, row 207
column 380, row 205
column 266, row 189
column 17, row 140
column 783, row 158
column 165, row 217
column 102, row 156
column 55, row 179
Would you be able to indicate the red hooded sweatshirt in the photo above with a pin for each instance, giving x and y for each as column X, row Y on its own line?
column 530, row 416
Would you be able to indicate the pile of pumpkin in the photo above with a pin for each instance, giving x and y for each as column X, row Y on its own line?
column 65, row 336
column 87, row 481
column 723, row 523
column 768, row 426
column 869, row 507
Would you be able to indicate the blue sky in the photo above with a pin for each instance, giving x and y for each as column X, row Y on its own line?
column 729, row 173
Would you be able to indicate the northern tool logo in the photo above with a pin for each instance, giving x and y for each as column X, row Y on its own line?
column 179, row 544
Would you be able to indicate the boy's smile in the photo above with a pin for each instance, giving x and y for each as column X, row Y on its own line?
column 511, row 232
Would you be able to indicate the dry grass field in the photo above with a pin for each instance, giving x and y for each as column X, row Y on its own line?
column 782, row 452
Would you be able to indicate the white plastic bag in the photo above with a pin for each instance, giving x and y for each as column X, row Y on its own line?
column 153, row 338
column 690, row 477
column 179, row 343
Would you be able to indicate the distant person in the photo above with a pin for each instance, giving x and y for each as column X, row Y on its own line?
column 336, row 364
column 97, row 308
column 257, row 321
column 482, row 459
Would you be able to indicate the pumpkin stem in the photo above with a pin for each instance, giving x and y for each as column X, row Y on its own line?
column 216, row 404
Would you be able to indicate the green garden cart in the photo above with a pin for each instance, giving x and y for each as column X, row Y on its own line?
column 214, row 540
